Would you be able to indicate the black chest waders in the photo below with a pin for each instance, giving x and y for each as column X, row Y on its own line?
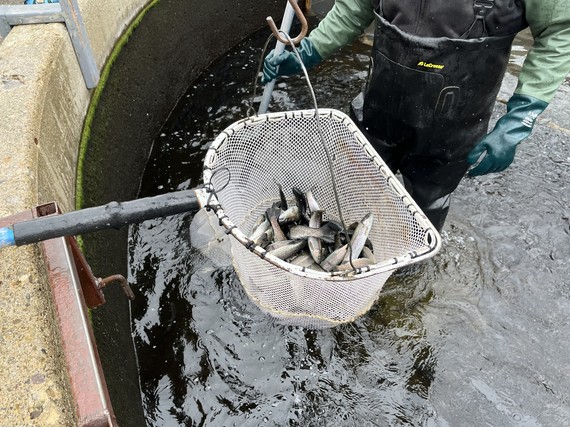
column 428, row 101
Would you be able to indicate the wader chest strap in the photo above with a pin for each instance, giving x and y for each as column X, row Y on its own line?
column 481, row 8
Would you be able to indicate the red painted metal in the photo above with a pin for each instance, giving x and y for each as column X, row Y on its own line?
column 69, row 275
column 75, row 290
column 8, row 221
column 89, row 284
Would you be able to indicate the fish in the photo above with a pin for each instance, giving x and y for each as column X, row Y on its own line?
column 303, row 259
column 315, row 243
column 301, row 201
column 277, row 245
column 260, row 230
column 260, row 220
column 359, row 237
column 292, row 214
column 316, row 267
column 273, row 215
column 358, row 263
column 352, row 227
column 265, row 239
column 367, row 253
column 282, row 197
column 312, row 204
column 287, row 251
column 304, row 232
column 335, row 258
column 334, row 225
column 338, row 241
column 297, row 234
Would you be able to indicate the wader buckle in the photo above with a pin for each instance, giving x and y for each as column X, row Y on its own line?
column 483, row 7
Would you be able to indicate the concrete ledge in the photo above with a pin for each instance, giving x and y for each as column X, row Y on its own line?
column 35, row 392
column 43, row 102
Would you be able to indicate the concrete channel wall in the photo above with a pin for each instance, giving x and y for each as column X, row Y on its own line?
column 43, row 101
column 43, row 107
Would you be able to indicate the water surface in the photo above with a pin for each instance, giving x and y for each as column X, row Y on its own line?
column 478, row 335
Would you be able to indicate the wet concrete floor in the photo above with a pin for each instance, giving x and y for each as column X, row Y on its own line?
column 478, row 335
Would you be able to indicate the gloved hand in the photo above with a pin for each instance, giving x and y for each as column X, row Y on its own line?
column 500, row 145
column 287, row 62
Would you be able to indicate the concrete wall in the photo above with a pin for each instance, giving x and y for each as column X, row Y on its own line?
column 43, row 101
column 174, row 42
column 43, row 104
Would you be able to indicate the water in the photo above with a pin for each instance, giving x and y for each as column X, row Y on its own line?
column 478, row 335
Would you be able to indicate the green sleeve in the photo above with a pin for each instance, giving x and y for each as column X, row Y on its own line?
column 343, row 23
column 548, row 61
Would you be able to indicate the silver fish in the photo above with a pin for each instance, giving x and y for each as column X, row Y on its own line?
column 304, row 259
column 293, row 214
column 277, row 245
column 367, row 253
column 273, row 215
column 266, row 238
column 282, row 198
column 304, row 232
column 337, row 242
column 335, row 258
column 358, row 263
column 353, row 226
column 315, row 243
column 311, row 202
column 359, row 238
column 316, row 219
column 333, row 225
column 301, row 200
column 260, row 220
column 260, row 230
column 288, row 250
column 316, row 267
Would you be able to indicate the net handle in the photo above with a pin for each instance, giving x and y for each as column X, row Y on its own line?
column 251, row 111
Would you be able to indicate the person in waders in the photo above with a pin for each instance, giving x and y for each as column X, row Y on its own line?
column 436, row 69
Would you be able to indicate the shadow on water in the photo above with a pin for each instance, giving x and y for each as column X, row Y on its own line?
column 477, row 335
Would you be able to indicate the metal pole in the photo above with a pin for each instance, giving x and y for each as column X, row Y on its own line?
column 288, row 16
column 80, row 41
column 11, row 15
column 66, row 11
column 112, row 215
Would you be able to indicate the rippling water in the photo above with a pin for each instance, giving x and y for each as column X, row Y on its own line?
column 478, row 335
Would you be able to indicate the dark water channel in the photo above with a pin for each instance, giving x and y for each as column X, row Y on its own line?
column 477, row 336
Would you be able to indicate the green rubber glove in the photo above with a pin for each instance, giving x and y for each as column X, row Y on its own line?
column 500, row 145
column 287, row 63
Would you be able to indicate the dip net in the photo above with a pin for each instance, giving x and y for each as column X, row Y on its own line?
column 242, row 170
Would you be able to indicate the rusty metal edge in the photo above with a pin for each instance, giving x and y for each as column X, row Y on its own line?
column 88, row 386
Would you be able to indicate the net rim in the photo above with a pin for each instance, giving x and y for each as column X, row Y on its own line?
column 207, row 197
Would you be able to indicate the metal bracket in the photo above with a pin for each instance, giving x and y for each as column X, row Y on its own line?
column 66, row 11
column 90, row 285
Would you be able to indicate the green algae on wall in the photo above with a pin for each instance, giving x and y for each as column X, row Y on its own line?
column 86, row 134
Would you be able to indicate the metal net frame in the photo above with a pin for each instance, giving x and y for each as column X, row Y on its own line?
column 242, row 170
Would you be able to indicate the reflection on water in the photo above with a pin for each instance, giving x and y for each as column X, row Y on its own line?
column 476, row 336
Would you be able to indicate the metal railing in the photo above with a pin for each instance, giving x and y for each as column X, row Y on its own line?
column 67, row 12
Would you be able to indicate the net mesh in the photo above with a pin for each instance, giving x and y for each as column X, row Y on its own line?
column 242, row 170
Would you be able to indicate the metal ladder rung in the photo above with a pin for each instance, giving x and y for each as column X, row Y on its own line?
column 66, row 11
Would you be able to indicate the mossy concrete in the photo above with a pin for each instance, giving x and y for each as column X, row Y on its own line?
column 43, row 105
column 165, row 52
column 43, row 102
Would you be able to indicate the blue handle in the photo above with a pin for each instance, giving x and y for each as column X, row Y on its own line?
column 6, row 237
